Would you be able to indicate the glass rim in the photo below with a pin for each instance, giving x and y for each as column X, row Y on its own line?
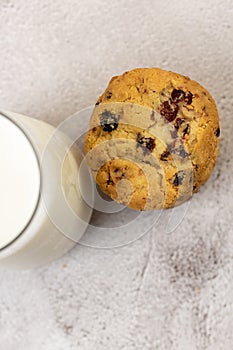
column 4, row 114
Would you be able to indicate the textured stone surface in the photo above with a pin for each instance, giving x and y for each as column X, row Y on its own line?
column 165, row 291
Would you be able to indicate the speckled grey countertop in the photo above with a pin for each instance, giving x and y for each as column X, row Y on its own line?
column 165, row 291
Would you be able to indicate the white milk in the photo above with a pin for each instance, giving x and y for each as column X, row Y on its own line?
column 42, row 214
column 19, row 181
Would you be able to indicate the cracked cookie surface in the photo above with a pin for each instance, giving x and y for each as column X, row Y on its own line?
column 153, row 138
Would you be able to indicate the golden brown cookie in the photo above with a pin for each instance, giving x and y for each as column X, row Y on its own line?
column 153, row 138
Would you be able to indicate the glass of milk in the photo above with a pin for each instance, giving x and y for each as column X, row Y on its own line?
column 42, row 213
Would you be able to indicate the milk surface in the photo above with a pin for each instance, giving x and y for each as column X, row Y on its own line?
column 19, row 181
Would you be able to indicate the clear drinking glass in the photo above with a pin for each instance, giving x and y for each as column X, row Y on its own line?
column 42, row 213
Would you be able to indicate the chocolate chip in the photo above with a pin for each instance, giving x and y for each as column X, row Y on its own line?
column 180, row 95
column 177, row 95
column 179, row 178
column 109, row 181
column 217, row 132
column 169, row 111
column 188, row 98
column 97, row 103
column 165, row 155
column 186, row 130
column 108, row 95
column 147, row 143
column 178, row 122
column 108, row 121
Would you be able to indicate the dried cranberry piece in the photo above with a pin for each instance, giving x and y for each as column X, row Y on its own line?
column 165, row 155
column 169, row 111
column 177, row 95
column 180, row 95
column 147, row 143
column 108, row 121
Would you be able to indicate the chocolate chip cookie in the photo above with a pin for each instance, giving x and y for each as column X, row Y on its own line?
column 153, row 138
